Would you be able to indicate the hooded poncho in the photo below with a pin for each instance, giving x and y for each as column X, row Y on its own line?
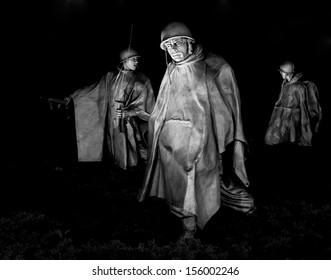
column 196, row 120
column 96, row 122
column 296, row 115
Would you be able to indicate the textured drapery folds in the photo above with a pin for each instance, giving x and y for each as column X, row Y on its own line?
column 297, row 114
column 97, row 126
column 196, row 120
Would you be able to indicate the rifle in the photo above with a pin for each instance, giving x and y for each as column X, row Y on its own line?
column 52, row 101
column 120, row 121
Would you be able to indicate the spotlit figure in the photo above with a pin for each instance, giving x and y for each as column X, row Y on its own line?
column 112, row 115
column 196, row 139
column 297, row 113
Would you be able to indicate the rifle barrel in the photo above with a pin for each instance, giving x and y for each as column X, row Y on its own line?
column 53, row 100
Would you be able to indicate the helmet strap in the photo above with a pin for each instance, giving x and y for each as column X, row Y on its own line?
column 166, row 59
column 189, row 46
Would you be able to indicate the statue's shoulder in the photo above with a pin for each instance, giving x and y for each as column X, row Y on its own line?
column 215, row 61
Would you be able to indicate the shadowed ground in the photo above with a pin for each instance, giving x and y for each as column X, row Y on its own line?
column 55, row 208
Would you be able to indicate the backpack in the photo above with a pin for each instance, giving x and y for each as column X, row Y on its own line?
column 313, row 105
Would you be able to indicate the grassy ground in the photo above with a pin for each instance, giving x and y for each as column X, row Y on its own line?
column 55, row 208
column 90, row 211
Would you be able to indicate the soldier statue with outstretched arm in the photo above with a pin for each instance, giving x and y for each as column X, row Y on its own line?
column 112, row 115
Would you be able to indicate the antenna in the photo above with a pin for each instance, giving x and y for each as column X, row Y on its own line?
column 130, row 36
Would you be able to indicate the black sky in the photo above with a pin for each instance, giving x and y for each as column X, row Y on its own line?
column 78, row 40
column 56, row 47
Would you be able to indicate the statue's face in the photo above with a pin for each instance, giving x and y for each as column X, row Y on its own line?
column 286, row 76
column 283, row 74
column 177, row 49
column 131, row 63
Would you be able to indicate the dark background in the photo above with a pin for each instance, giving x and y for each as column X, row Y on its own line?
column 53, row 48
column 53, row 207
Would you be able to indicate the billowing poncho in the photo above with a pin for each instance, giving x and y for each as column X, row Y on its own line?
column 195, row 120
column 296, row 115
column 96, row 123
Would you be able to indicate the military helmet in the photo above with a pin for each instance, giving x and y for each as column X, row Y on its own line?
column 175, row 30
column 287, row 67
column 128, row 53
